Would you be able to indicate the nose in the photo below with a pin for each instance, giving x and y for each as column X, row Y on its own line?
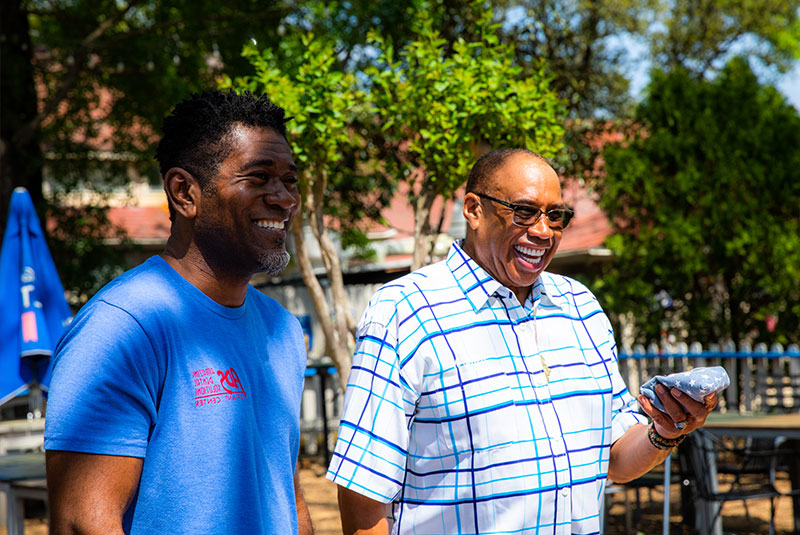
column 540, row 229
column 281, row 196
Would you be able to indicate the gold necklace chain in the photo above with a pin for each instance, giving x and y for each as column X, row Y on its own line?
column 545, row 367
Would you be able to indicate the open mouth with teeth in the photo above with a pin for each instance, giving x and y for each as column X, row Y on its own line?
column 529, row 255
column 270, row 224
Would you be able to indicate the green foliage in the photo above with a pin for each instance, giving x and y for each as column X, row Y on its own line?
column 324, row 104
column 706, row 207
column 78, row 243
column 345, row 25
column 106, row 72
column 145, row 55
column 318, row 98
column 436, row 107
column 577, row 39
column 429, row 108
column 585, row 47
column 697, row 35
column 109, row 71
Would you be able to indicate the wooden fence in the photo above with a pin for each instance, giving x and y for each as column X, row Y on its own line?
column 762, row 379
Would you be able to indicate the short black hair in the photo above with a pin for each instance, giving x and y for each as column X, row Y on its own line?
column 197, row 132
column 490, row 162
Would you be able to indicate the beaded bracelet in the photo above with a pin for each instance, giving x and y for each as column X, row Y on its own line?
column 660, row 442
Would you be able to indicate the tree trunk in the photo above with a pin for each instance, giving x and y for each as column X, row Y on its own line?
column 422, row 228
column 21, row 157
column 737, row 325
column 335, row 323
column 330, row 256
column 438, row 231
column 339, row 352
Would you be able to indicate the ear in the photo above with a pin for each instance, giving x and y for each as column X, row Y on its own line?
column 183, row 192
column 472, row 210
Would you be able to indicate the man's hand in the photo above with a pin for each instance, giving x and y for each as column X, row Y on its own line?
column 684, row 414
column 633, row 454
column 362, row 515
column 90, row 493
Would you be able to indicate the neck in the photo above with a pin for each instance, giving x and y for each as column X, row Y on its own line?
column 467, row 247
column 522, row 294
column 226, row 289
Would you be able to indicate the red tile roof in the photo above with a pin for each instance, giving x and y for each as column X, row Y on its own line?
column 590, row 227
column 143, row 224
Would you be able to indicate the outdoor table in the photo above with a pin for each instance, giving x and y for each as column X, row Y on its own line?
column 22, row 476
column 756, row 425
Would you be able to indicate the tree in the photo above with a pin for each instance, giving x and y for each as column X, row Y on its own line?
column 437, row 109
column 578, row 42
column 334, row 180
column 107, row 64
column 698, row 35
column 84, row 78
column 345, row 25
column 585, row 45
column 705, row 203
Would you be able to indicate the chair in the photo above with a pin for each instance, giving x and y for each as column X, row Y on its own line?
column 707, row 456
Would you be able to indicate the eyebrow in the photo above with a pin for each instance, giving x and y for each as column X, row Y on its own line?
column 265, row 162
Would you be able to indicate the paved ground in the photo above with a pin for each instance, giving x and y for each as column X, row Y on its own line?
column 736, row 520
column 645, row 520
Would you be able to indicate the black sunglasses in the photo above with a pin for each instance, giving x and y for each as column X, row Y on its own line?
column 525, row 216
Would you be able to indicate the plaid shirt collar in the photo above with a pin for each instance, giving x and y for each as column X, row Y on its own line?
column 478, row 286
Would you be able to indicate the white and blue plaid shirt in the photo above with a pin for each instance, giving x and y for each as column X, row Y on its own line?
column 474, row 414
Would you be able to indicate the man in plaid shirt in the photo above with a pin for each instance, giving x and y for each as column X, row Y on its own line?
column 484, row 395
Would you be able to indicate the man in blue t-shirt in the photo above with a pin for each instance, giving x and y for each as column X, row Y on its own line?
column 174, row 404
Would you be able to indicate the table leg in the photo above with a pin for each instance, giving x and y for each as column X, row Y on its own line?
column 707, row 510
column 3, row 504
column 15, row 517
column 794, row 476
column 667, row 481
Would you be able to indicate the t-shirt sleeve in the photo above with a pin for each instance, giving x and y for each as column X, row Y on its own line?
column 104, row 390
column 372, row 446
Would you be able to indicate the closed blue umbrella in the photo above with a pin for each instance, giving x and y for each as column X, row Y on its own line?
column 33, row 309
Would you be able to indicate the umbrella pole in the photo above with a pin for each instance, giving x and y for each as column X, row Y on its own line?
column 35, row 401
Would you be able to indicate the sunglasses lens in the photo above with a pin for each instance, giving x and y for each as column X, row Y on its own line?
column 526, row 216
column 556, row 219
column 563, row 218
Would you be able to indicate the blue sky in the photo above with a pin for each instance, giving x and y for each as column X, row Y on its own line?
column 789, row 85
column 638, row 66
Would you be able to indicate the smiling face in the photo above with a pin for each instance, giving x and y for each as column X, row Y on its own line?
column 514, row 255
column 245, row 213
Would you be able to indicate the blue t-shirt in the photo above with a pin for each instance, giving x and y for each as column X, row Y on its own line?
column 208, row 395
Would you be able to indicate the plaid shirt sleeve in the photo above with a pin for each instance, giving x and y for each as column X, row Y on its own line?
column 624, row 408
column 372, row 445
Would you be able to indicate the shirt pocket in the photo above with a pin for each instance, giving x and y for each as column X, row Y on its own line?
column 474, row 408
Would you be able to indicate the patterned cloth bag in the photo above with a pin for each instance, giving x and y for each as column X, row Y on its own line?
column 696, row 383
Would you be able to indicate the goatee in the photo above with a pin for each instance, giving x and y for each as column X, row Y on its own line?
column 274, row 262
